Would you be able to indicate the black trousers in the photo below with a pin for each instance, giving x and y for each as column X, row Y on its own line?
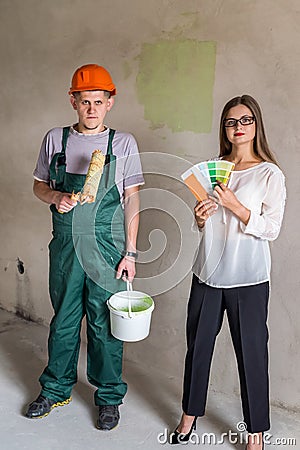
column 247, row 310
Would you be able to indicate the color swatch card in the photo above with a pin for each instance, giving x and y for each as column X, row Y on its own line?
column 203, row 177
column 196, row 182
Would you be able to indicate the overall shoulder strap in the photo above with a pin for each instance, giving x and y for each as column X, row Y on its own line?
column 110, row 139
column 59, row 158
column 65, row 136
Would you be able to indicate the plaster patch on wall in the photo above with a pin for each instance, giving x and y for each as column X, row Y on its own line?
column 175, row 84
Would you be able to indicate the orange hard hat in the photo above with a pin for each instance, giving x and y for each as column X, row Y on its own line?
column 92, row 77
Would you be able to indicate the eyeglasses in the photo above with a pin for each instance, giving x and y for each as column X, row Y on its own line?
column 245, row 120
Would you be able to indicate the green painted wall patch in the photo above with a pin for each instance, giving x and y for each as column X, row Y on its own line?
column 175, row 84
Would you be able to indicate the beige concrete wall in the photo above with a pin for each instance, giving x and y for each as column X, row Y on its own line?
column 257, row 52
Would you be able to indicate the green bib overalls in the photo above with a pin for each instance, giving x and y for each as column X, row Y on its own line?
column 84, row 254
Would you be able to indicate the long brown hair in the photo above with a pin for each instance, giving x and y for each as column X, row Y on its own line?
column 260, row 145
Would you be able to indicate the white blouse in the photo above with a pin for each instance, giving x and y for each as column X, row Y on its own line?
column 232, row 254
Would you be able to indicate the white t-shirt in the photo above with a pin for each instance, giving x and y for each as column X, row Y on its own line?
column 232, row 254
column 79, row 150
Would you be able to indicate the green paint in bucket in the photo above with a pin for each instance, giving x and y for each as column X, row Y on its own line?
column 139, row 305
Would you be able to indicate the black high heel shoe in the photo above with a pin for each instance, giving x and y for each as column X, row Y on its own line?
column 178, row 438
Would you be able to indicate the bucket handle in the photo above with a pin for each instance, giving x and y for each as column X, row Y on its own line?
column 129, row 289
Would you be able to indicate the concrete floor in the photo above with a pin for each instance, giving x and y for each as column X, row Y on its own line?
column 151, row 407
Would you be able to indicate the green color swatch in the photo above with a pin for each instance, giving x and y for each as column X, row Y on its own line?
column 175, row 84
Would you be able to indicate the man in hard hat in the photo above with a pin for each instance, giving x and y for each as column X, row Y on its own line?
column 93, row 245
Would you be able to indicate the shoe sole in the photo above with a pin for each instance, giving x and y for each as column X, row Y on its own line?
column 107, row 429
column 64, row 403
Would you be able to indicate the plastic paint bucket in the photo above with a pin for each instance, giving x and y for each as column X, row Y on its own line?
column 130, row 315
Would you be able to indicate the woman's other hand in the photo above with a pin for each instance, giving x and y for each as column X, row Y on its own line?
column 203, row 210
column 225, row 197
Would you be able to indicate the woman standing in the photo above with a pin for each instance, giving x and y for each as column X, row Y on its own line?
column 232, row 270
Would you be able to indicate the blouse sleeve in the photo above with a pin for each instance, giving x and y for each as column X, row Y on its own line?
column 267, row 224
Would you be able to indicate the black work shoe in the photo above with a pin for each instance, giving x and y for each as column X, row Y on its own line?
column 108, row 417
column 42, row 406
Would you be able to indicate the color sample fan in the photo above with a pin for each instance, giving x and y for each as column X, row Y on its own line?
column 216, row 171
column 202, row 178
